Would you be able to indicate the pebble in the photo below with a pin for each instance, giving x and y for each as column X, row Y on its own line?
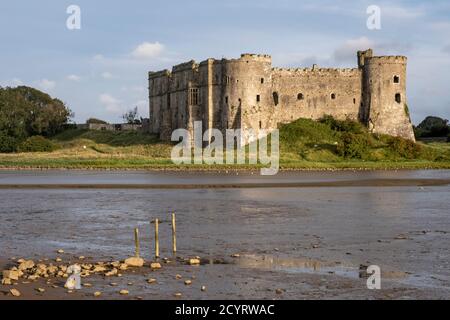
column 188, row 282
column 134, row 262
column 87, row 285
column 203, row 288
column 279, row 291
column 58, row 259
column 155, row 265
column 97, row 294
column 124, row 292
column 41, row 290
column 194, row 261
column 60, row 251
column 15, row 292
column 177, row 295
column 151, row 280
column 178, row 276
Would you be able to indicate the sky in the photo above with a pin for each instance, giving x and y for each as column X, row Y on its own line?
column 100, row 69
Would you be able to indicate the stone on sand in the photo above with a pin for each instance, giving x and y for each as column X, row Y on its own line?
column 11, row 274
column 15, row 292
column 134, row 262
column 155, row 265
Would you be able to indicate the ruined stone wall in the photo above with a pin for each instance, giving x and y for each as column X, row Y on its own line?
column 249, row 93
column 385, row 96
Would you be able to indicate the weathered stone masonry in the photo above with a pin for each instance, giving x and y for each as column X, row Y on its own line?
column 249, row 93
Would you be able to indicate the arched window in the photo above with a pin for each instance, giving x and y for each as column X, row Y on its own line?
column 396, row 79
column 398, row 97
column 333, row 96
column 300, row 96
column 275, row 98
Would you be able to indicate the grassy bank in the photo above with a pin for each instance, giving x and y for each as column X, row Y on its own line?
column 304, row 144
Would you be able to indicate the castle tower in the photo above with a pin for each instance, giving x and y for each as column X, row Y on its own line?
column 384, row 107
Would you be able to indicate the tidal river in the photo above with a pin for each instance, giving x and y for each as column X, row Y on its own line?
column 308, row 233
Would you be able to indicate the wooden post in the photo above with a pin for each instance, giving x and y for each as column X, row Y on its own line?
column 136, row 242
column 174, row 234
column 156, row 238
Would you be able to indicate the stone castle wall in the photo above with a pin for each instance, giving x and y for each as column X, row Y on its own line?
column 249, row 93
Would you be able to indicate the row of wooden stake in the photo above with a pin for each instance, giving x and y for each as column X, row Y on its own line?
column 174, row 238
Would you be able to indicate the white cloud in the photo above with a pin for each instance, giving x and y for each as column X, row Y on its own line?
column 73, row 77
column 110, row 103
column 347, row 52
column 46, row 84
column 148, row 50
column 107, row 75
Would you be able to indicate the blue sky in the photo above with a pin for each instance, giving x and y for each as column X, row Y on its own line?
column 101, row 69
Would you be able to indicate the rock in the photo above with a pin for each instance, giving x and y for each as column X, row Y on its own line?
column 52, row 269
column 236, row 255
column 177, row 295
column 81, row 257
column 116, row 264
column 97, row 294
column 41, row 290
column 203, row 288
column 33, row 277
column 19, row 260
column 279, row 291
column 151, row 280
column 60, row 251
column 113, row 284
column 194, row 261
column 155, row 265
column 111, row 273
column 87, row 285
column 99, row 269
column 134, row 262
column 124, row 292
column 58, row 259
column 178, row 276
column 25, row 265
column 11, row 274
column 6, row 281
column 123, row 266
column 15, row 292
column 188, row 282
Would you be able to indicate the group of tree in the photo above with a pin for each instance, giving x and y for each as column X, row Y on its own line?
column 432, row 127
column 27, row 112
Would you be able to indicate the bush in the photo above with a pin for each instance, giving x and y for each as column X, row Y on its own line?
column 353, row 145
column 7, row 143
column 37, row 144
column 342, row 125
column 404, row 148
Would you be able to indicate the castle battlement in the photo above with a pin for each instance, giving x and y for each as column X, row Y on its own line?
column 248, row 92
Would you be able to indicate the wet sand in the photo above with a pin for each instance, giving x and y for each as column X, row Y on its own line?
column 309, row 242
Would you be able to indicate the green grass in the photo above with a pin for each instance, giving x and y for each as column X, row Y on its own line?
column 304, row 144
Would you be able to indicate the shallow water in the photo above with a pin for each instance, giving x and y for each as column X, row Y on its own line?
column 348, row 225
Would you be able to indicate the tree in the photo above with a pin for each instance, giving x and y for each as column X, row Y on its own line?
column 432, row 127
column 131, row 116
column 26, row 112
column 95, row 120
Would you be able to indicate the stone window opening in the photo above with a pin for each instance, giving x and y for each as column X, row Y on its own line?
column 226, row 99
column 396, row 79
column 354, row 100
column 193, row 97
column 260, row 124
column 398, row 97
column 333, row 96
column 262, row 80
column 258, row 98
column 300, row 96
column 275, row 98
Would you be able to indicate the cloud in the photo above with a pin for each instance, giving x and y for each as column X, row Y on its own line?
column 73, row 77
column 347, row 52
column 46, row 84
column 148, row 50
column 110, row 103
column 446, row 49
column 107, row 75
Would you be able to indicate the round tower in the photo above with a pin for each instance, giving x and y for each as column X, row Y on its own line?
column 384, row 96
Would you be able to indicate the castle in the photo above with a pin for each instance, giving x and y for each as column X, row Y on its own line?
column 249, row 93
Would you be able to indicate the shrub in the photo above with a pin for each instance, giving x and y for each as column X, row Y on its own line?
column 342, row 125
column 353, row 145
column 37, row 144
column 7, row 143
column 404, row 148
